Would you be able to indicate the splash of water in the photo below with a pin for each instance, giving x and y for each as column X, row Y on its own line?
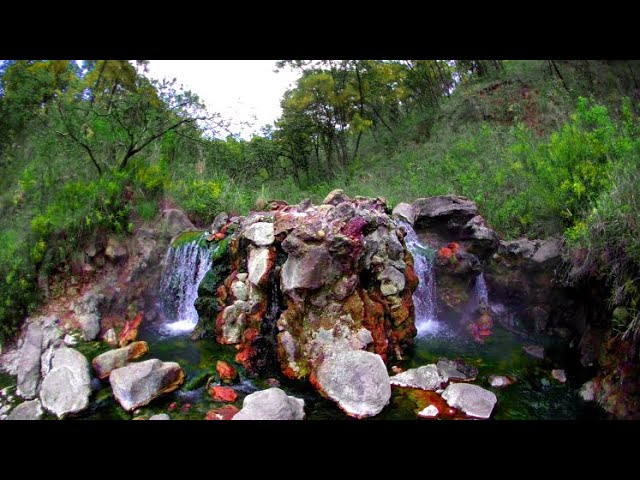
column 424, row 297
column 185, row 268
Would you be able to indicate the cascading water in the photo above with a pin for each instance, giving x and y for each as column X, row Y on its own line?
column 424, row 298
column 481, row 291
column 185, row 268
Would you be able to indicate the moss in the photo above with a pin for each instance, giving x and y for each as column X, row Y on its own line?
column 92, row 349
column 187, row 237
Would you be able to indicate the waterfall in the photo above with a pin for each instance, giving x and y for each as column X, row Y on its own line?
column 185, row 268
column 481, row 291
column 424, row 298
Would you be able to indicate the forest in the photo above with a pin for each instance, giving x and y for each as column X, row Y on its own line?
column 544, row 148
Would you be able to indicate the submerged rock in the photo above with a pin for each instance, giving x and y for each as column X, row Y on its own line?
column 66, row 388
column 357, row 380
column 31, row 410
column 271, row 404
column 30, row 363
column 499, row 381
column 559, row 375
column 588, row 391
column 104, row 363
column 429, row 412
column 456, row 370
column 473, row 400
column 535, row 351
column 223, row 413
column 426, row 377
column 160, row 416
column 137, row 384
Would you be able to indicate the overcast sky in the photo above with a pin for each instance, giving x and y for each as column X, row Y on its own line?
column 240, row 90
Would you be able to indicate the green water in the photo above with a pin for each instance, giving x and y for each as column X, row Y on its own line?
column 534, row 395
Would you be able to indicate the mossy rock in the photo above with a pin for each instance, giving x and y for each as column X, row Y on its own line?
column 187, row 237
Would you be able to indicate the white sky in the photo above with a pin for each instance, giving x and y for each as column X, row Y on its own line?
column 240, row 90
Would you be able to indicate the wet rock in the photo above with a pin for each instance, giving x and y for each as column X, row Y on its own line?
column 499, row 381
column 223, row 394
column 104, row 363
column 227, row 372
column 426, row 378
column 66, row 388
column 392, row 281
column 174, row 222
column 535, row 351
column 160, row 416
column 357, row 380
column 271, row 404
column 258, row 265
column 309, row 271
column 115, row 251
column 456, row 370
column 137, row 384
column 336, row 197
column 31, row 410
column 260, row 233
column 234, row 319
column 430, row 411
column 30, row 362
column 559, row 375
column 588, row 391
column 473, row 400
column 224, row 413
column 405, row 211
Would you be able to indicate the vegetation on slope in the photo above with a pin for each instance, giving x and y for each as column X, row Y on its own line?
column 544, row 148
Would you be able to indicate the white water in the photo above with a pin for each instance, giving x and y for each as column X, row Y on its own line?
column 185, row 268
column 424, row 298
column 481, row 290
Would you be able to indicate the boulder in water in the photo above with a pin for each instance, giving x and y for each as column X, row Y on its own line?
column 456, row 370
column 426, row 377
column 356, row 380
column 104, row 363
column 473, row 400
column 137, row 384
column 271, row 404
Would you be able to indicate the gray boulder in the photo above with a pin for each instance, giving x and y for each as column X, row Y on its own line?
column 137, row 384
column 260, row 233
column 456, row 370
column 426, row 377
column 473, row 400
column 443, row 208
column 66, row 388
column 29, row 363
column 549, row 251
column 271, row 404
column 357, row 380
column 405, row 211
column 258, row 265
column 31, row 410
column 87, row 314
column 104, row 363
column 309, row 271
